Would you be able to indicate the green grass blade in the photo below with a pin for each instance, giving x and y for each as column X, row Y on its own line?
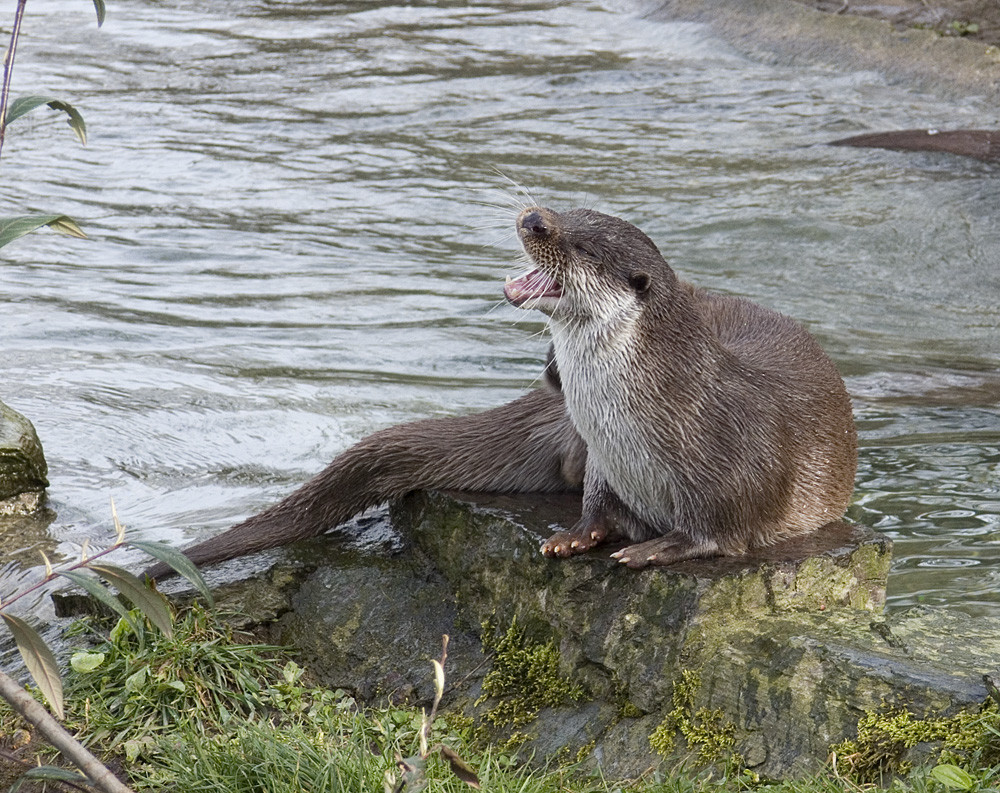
column 39, row 660
column 178, row 561
column 99, row 7
column 148, row 601
column 25, row 104
column 13, row 227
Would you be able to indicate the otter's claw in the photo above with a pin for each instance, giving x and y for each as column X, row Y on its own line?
column 580, row 539
column 663, row 551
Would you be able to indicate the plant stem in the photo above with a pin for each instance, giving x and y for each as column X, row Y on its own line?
column 55, row 574
column 8, row 67
column 53, row 732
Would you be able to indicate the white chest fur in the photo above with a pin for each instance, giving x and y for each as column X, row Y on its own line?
column 597, row 366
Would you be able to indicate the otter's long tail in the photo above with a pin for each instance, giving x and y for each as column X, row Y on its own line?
column 524, row 446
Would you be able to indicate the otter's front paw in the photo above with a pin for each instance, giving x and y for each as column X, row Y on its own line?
column 581, row 538
column 665, row 550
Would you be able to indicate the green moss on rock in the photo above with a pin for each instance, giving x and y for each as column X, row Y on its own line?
column 526, row 677
column 885, row 738
column 22, row 464
column 706, row 731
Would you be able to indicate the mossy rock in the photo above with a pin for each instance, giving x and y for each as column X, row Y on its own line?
column 22, row 464
column 764, row 661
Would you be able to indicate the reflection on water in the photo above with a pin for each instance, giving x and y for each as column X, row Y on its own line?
column 298, row 235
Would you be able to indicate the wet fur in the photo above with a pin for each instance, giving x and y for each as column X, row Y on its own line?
column 713, row 425
column 697, row 424
column 528, row 445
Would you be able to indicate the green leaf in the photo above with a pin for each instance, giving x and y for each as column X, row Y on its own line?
column 50, row 773
column 25, row 104
column 99, row 7
column 84, row 662
column 171, row 557
column 952, row 776
column 292, row 672
column 41, row 663
column 137, row 680
column 459, row 767
column 98, row 591
column 66, row 225
column 133, row 748
column 148, row 601
column 13, row 227
column 122, row 628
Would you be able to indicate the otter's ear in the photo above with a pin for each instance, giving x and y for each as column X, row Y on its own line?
column 639, row 281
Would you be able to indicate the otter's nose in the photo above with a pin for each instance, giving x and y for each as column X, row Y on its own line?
column 533, row 223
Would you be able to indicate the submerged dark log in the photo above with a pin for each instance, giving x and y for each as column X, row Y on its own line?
column 982, row 144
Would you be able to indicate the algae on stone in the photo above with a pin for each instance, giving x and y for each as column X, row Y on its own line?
column 886, row 737
column 22, row 464
column 525, row 677
column 706, row 731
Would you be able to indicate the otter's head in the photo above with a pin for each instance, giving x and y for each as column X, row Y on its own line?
column 588, row 265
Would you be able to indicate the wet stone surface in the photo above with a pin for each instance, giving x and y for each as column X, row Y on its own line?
column 785, row 650
column 22, row 464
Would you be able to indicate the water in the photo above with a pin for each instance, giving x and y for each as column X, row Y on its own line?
column 299, row 234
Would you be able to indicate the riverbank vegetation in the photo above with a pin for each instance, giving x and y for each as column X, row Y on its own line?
column 205, row 709
column 11, row 109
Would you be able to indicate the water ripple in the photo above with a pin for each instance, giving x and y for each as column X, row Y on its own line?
column 289, row 247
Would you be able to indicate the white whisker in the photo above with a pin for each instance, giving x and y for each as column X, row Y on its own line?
column 520, row 191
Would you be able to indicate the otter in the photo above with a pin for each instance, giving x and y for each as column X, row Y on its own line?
column 696, row 424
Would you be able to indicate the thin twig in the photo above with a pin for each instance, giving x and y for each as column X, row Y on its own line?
column 8, row 67
column 32, row 712
column 86, row 560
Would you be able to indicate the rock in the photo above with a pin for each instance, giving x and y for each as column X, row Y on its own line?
column 783, row 31
column 22, row 465
column 738, row 626
column 768, row 660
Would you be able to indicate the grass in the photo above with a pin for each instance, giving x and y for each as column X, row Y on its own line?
column 203, row 712
column 138, row 685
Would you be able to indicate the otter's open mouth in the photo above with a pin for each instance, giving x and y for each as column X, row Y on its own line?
column 532, row 286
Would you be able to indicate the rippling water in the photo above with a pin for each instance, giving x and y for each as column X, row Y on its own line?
column 299, row 232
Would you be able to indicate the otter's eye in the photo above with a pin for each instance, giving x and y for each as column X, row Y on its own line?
column 639, row 281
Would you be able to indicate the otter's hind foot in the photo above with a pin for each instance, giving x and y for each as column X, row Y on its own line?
column 665, row 550
column 586, row 534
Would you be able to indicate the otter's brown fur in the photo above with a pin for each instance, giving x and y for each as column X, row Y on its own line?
column 713, row 425
column 697, row 424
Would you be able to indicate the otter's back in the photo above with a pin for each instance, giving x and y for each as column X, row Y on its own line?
column 808, row 391
column 765, row 339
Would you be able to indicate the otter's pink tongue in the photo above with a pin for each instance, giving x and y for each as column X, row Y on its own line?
column 534, row 284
